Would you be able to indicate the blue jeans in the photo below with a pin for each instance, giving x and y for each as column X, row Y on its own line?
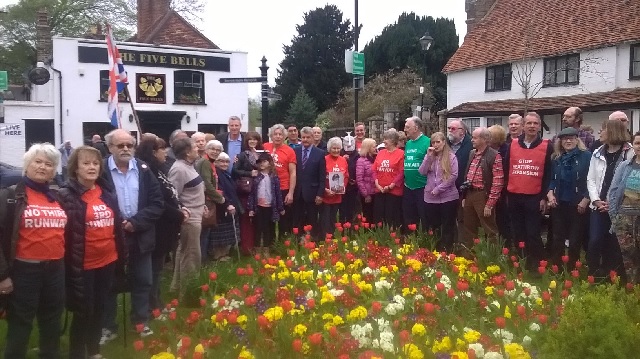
column 140, row 277
column 38, row 291
column 603, row 251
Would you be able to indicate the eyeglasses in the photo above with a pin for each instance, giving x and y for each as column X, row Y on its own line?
column 123, row 145
column 222, row 161
column 453, row 128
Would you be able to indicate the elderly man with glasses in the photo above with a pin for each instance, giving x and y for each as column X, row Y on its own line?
column 460, row 142
column 141, row 205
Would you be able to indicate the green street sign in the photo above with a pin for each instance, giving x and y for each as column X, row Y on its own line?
column 4, row 81
column 358, row 63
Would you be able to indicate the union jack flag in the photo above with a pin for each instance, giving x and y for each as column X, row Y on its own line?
column 117, row 78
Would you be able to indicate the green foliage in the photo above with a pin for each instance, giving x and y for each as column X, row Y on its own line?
column 255, row 113
column 600, row 324
column 303, row 110
column 315, row 60
column 394, row 88
column 70, row 18
column 398, row 48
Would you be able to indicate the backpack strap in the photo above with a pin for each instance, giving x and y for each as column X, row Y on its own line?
column 7, row 205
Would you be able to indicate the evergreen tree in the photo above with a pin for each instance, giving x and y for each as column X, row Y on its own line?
column 398, row 48
column 315, row 60
column 303, row 110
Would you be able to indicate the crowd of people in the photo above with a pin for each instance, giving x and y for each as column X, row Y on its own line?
column 114, row 222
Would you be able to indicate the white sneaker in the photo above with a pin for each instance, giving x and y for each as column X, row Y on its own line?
column 146, row 331
column 107, row 336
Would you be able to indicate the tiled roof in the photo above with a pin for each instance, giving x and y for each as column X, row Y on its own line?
column 615, row 100
column 519, row 29
column 173, row 29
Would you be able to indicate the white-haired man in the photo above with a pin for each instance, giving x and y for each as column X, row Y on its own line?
column 413, row 207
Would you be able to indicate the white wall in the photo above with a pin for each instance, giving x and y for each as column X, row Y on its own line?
column 601, row 70
column 13, row 147
column 81, row 84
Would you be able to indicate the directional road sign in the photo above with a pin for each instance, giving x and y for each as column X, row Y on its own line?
column 242, row 80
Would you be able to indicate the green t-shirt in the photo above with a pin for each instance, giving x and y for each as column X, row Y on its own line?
column 414, row 152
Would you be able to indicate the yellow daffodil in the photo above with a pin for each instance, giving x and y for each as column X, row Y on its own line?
column 412, row 351
column 357, row 313
column 472, row 336
column 488, row 290
column 273, row 314
column 442, row 346
column 418, row 330
column 300, row 330
column 516, row 351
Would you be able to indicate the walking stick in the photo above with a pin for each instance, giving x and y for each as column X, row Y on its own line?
column 124, row 317
column 235, row 234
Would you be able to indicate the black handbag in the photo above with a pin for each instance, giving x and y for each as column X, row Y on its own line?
column 243, row 185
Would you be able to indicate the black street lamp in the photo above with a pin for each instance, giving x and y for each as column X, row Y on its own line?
column 425, row 42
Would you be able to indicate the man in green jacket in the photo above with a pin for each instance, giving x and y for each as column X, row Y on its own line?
column 413, row 207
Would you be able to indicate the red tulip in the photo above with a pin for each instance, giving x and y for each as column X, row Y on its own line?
column 296, row 230
column 139, row 328
column 591, row 279
column 412, row 227
column 203, row 302
column 429, row 308
column 565, row 259
column 311, row 303
column 263, row 322
column 376, row 307
column 542, row 318
column 315, row 339
column 333, row 331
column 213, row 275
column 521, row 245
column 505, row 251
column 510, row 285
column 501, row 322
column 439, row 286
column 297, row 345
column 404, row 336
column 568, row 284
column 451, row 293
column 138, row 345
column 204, row 287
column 543, row 263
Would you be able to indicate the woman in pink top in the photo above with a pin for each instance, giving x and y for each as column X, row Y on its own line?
column 440, row 194
column 364, row 176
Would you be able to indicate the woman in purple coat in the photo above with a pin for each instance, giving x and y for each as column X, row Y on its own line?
column 440, row 194
column 364, row 176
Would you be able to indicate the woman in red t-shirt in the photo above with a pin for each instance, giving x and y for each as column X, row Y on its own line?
column 337, row 178
column 94, row 244
column 32, row 271
column 388, row 174
column 285, row 161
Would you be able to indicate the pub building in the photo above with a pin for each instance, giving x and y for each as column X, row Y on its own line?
column 173, row 71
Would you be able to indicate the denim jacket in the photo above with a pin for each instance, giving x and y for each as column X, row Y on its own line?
column 616, row 191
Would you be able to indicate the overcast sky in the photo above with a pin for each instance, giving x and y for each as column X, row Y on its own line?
column 261, row 27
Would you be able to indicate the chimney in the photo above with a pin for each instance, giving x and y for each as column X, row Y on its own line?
column 44, row 45
column 476, row 11
column 149, row 13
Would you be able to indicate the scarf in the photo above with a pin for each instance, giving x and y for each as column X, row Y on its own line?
column 40, row 187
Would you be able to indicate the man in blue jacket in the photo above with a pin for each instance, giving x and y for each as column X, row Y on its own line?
column 141, row 205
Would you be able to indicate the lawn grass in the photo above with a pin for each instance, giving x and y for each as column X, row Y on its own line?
column 116, row 349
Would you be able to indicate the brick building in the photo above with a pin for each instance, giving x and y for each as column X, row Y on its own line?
column 173, row 72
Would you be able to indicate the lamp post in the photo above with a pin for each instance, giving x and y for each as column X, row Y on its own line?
column 425, row 42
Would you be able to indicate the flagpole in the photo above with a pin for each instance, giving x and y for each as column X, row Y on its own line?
column 133, row 110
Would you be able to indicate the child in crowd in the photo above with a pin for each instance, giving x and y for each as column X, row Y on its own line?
column 265, row 203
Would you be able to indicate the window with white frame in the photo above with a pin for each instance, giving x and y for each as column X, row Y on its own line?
column 562, row 70
column 494, row 121
column 472, row 123
column 634, row 66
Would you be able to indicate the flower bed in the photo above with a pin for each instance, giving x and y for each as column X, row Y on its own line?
column 365, row 294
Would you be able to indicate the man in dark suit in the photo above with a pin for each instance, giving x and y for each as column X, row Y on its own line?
column 232, row 140
column 311, row 175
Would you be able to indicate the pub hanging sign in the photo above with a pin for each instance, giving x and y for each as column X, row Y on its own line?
column 151, row 88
